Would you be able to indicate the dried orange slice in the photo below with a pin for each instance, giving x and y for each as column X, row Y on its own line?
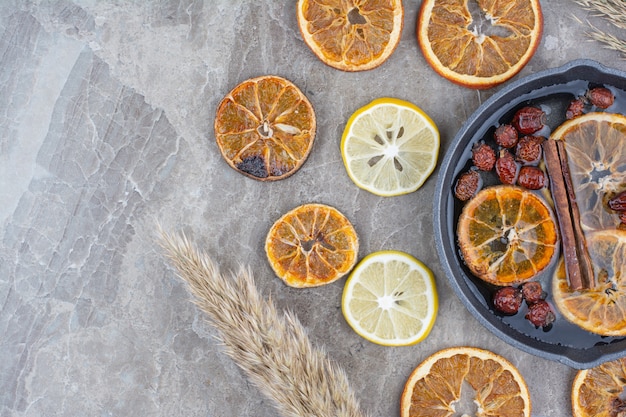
column 465, row 381
column 312, row 245
column 596, row 150
column 507, row 235
column 602, row 308
column 265, row 128
column 482, row 43
column 597, row 392
column 351, row 35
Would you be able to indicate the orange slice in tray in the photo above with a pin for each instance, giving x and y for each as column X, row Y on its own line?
column 507, row 235
column 597, row 392
column 351, row 35
column 265, row 128
column 312, row 245
column 596, row 150
column 482, row 43
column 602, row 308
column 465, row 381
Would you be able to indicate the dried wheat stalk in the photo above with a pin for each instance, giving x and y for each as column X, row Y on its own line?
column 273, row 349
column 613, row 11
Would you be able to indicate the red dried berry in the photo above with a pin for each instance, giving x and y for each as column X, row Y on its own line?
column 532, row 292
column 601, row 97
column 529, row 150
column 528, row 120
column 506, row 168
column 540, row 314
column 506, row 136
column 618, row 203
column 467, row 185
column 507, row 300
column 483, row 156
column 575, row 108
column 531, row 178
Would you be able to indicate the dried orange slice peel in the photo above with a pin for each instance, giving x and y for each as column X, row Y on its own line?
column 602, row 308
column 465, row 381
column 265, row 128
column 312, row 245
column 351, row 35
column 479, row 44
column 597, row 392
column 596, row 155
column 507, row 235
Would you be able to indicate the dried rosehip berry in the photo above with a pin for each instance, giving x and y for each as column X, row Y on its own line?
column 467, row 185
column 483, row 156
column 575, row 108
column 600, row 97
column 532, row 292
column 529, row 150
column 506, row 167
column 540, row 314
column 532, row 178
column 618, row 203
column 506, row 136
column 507, row 300
column 528, row 120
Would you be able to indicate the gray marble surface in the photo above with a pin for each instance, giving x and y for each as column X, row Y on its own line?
column 106, row 127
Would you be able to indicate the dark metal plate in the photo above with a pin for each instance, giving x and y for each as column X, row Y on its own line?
column 551, row 89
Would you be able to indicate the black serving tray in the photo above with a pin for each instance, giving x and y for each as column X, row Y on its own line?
column 551, row 89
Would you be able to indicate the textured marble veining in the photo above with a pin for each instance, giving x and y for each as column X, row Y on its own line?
column 106, row 129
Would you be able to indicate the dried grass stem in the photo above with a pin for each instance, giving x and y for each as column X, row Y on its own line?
column 273, row 349
column 614, row 12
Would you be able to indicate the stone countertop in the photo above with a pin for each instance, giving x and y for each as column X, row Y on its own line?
column 106, row 121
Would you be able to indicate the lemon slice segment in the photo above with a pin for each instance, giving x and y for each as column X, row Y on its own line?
column 390, row 147
column 390, row 299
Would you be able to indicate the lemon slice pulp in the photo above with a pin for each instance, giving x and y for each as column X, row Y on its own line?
column 390, row 147
column 390, row 299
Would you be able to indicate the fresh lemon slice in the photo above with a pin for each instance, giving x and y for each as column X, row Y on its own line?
column 390, row 147
column 390, row 299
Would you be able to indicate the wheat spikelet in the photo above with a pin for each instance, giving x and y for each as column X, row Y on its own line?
column 614, row 12
column 273, row 349
column 609, row 41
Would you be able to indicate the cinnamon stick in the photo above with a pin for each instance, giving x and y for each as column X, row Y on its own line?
column 565, row 217
column 581, row 243
column 561, row 206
